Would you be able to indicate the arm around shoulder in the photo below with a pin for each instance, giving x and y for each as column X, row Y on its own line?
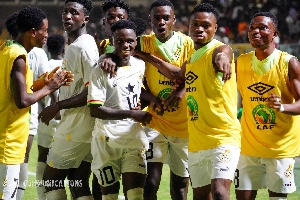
column 222, row 58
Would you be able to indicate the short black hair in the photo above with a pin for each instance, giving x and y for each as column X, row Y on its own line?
column 106, row 5
column 87, row 4
column 205, row 7
column 268, row 14
column 11, row 25
column 123, row 24
column 30, row 17
column 56, row 44
column 141, row 25
column 159, row 3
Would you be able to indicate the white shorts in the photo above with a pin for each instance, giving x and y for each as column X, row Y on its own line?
column 167, row 149
column 109, row 162
column 9, row 181
column 45, row 133
column 254, row 173
column 219, row 162
column 65, row 154
column 34, row 122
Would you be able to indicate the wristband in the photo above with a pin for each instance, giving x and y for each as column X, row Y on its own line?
column 281, row 108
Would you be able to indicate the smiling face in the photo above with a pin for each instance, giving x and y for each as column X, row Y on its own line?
column 162, row 19
column 203, row 27
column 73, row 18
column 124, row 41
column 262, row 32
column 113, row 15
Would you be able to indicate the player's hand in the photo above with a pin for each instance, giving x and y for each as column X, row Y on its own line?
column 178, row 84
column 274, row 101
column 99, row 46
column 223, row 64
column 59, row 79
column 142, row 117
column 138, row 107
column 158, row 106
column 175, row 97
column 70, row 76
column 108, row 64
column 49, row 113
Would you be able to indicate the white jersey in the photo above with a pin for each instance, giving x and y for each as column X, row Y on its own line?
column 46, row 101
column 76, row 123
column 120, row 92
column 38, row 63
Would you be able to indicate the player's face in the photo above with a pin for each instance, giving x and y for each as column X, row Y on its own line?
column 124, row 41
column 202, row 27
column 73, row 18
column 112, row 15
column 261, row 32
column 41, row 34
column 162, row 19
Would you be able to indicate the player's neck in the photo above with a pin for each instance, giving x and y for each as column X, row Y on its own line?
column 76, row 34
column 121, row 62
column 163, row 40
column 56, row 57
column 262, row 54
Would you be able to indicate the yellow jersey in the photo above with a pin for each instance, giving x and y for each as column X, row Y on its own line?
column 174, row 51
column 266, row 132
column 212, row 105
column 14, row 122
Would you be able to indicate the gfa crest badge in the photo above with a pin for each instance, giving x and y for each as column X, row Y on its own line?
column 225, row 157
column 176, row 54
column 289, row 172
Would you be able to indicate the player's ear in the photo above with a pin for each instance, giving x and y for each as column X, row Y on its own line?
column 32, row 32
column 275, row 34
column 86, row 19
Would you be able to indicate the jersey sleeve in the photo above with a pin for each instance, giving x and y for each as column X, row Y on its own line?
column 97, row 87
column 145, row 42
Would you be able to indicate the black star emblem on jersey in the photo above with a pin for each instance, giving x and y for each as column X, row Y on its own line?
column 130, row 88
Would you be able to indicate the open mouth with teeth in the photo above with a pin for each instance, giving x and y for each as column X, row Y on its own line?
column 125, row 51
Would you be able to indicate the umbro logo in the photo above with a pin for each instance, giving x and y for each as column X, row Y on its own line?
column 260, row 88
column 190, row 77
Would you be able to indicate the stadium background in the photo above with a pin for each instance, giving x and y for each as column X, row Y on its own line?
column 235, row 16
